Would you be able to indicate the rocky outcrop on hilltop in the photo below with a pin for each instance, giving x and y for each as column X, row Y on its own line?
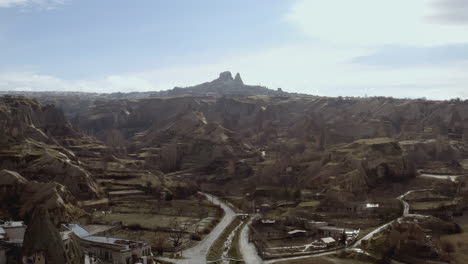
column 225, row 85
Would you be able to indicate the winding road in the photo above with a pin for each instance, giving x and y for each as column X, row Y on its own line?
column 248, row 249
column 197, row 254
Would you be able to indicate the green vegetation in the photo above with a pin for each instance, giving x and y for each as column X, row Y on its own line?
column 156, row 213
column 426, row 195
column 322, row 260
column 234, row 251
column 312, row 203
column 373, row 141
column 432, row 205
column 216, row 250
column 143, row 220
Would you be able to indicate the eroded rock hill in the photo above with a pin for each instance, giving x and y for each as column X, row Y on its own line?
column 32, row 142
column 22, row 197
column 278, row 138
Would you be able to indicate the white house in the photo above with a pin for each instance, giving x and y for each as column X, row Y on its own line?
column 111, row 250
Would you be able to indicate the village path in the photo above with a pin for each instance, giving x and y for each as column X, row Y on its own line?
column 197, row 254
column 356, row 245
column 248, row 249
column 441, row 177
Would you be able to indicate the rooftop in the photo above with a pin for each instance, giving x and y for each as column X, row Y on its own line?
column 318, row 222
column 77, row 229
column 83, row 234
column 125, row 244
column 9, row 224
column 124, row 192
column 296, row 232
column 328, row 240
column 331, row 228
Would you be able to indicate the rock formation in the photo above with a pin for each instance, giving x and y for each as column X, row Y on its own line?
column 32, row 138
column 23, row 196
column 43, row 240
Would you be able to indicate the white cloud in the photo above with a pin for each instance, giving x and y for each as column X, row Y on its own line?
column 27, row 3
column 10, row 3
column 317, row 68
column 375, row 22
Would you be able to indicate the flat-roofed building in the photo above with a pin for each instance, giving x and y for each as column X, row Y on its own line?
column 13, row 232
column 115, row 250
column 329, row 241
column 314, row 225
column 110, row 250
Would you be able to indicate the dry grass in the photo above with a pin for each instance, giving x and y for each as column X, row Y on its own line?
column 431, row 205
column 322, row 260
column 460, row 241
column 312, row 203
column 155, row 213
column 217, row 248
column 143, row 220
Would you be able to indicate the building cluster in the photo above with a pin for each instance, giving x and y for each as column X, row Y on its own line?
column 11, row 239
column 322, row 233
column 96, row 249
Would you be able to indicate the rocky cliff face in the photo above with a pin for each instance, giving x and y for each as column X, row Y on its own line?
column 342, row 120
column 23, row 196
column 193, row 142
column 370, row 161
column 408, row 241
column 32, row 139
column 346, row 144
column 298, row 131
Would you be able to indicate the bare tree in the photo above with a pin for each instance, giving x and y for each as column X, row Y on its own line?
column 178, row 235
column 170, row 158
column 159, row 243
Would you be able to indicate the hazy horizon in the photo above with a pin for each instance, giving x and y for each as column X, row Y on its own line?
column 333, row 48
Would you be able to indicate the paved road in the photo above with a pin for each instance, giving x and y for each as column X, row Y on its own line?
column 441, row 177
column 406, row 206
column 197, row 254
column 248, row 249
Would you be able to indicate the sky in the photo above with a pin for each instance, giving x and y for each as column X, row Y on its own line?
column 399, row 48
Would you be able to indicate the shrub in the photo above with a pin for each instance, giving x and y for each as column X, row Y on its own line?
column 448, row 246
column 195, row 237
